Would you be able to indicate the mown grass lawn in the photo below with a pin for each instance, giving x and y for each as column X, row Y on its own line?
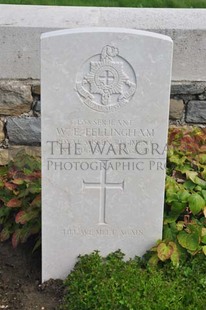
column 115, row 3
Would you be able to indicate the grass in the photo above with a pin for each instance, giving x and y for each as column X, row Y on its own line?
column 98, row 283
column 115, row 3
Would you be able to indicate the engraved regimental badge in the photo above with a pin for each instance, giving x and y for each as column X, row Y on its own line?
column 106, row 81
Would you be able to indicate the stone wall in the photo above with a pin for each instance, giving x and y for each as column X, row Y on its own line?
column 21, row 28
column 188, row 103
column 20, row 111
column 20, row 122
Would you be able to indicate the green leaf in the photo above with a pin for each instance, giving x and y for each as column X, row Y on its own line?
column 188, row 241
column 201, row 182
column 37, row 245
column 18, row 181
column 203, row 173
column 3, row 170
column 189, row 185
column 202, row 158
column 175, row 257
column 184, row 168
column 171, row 196
column 204, row 194
column 4, row 234
column 177, row 159
column 203, row 235
column 1, row 183
column 196, row 203
column 196, row 251
column 203, row 232
column 183, row 196
column 204, row 249
column 180, row 225
column 192, row 175
column 34, row 189
column 198, row 188
column 164, row 251
column 168, row 233
column 203, row 240
column 4, row 212
column 178, row 207
column 171, row 218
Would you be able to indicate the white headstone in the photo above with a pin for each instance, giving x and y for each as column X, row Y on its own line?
column 105, row 103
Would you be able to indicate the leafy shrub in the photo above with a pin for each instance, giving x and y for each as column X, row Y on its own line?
column 184, row 231
column 185, row 197
column 20, row 200
column 111, row 283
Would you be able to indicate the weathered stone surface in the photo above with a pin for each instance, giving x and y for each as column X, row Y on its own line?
column 4, row 157
column 36, row 89
column 102, row 86
column 188, row 88
column 196, row 112
column 37, row 107
column 8, row 154
column 202, row 96
column 15, row 97
column 176, row 109
column 25, row 131
column 30, row 150
column 2, row 135
column 186, row 98
column 19, row 41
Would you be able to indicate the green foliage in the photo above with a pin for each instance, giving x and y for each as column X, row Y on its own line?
column 20, row 200
column 184, row 231
column 111, row 283
column 115, row 3
column 185, row 197
column 99, row 283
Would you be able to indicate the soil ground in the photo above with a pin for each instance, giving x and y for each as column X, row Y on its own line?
column 20, row 285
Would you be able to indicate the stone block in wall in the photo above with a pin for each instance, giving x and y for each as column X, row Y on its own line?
column 37, row 107
column 188, row 88
column 202, row 96
column 4, row 157
column 196, row 112
column 34, row 151
column 176, row 109
column 9, row 154
column 24, row 130
column 187, row 98
column 2, row 136
column 36, row 89
column 15, row 97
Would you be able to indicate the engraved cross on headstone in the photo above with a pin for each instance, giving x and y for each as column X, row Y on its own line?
column 103, row 186
column 107, row 77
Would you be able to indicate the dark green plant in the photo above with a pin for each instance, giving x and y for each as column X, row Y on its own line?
column 111, row 283
column 20, row 200
column 184, row 231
